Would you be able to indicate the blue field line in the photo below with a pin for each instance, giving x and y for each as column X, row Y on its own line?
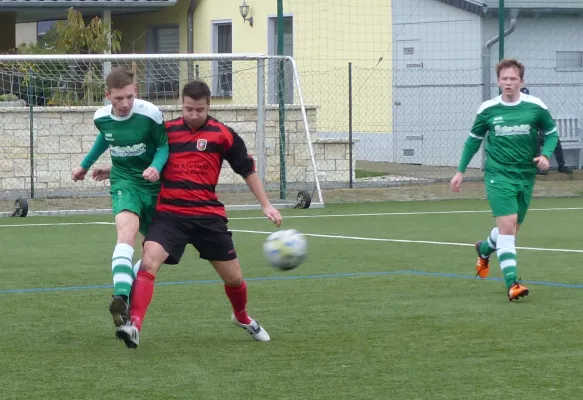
column 296, row 277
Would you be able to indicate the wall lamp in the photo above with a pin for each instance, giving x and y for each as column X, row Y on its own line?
column 244, row 11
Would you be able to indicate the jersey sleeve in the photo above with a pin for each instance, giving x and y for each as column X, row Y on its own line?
column 159, row 136
column 158, row 132
column 548, row 128
column 480, row 126
column 237, row 156
column 99, row 147
column 474, row 140
column 546, row 122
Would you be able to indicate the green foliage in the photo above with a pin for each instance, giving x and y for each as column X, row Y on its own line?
column 8, row 97
column 71, row 36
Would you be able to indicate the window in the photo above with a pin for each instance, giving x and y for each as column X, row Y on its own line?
column 288, row 50
column 569, row 59
column 163, row 76
column 42, row 27
column 222, row 70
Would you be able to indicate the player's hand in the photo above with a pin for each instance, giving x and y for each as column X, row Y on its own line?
column 100, row 173
column 542, row 162
column 456, row 181
column 151, row 174
column 78, row 174
column 272, row 214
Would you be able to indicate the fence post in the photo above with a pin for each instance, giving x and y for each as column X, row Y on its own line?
column 31, row 99
column 281, row 98
column 260, row 135
column 350, row 122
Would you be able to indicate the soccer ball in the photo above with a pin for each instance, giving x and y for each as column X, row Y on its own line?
column 285, row 249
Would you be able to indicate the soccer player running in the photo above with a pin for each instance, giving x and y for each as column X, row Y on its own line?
column 513, row 120
column 189, row 212
column 133, row 130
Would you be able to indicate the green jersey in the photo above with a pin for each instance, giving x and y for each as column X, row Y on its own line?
column 512, row 143
column 133, row 140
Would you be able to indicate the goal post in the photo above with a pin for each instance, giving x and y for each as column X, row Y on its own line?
column 47, row 103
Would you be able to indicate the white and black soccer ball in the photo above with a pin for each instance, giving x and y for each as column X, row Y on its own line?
column 285, row 249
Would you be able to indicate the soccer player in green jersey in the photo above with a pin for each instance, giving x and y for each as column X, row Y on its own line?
column 134, row 132
column 513, row 120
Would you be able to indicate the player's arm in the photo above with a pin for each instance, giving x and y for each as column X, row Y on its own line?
column 549, row 131
column 242, row 163
column 473, row 141
column 160, row 137
column 99, row 147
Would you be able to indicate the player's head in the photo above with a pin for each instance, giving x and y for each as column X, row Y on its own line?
column 196, row 100
column 510, row 77
column 120, row 90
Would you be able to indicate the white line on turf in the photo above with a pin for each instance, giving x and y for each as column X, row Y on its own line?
column 404, row 213
column 369, row 239
column 332, row 236
column 315, row 216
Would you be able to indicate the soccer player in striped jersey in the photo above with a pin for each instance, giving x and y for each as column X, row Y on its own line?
column 133, row 130
column 513, row 121
column 189, row 212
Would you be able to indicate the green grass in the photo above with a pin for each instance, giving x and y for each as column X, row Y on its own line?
column 377, row 320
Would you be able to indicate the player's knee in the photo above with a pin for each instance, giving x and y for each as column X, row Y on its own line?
column 127, row 224
column 507, row 225
column 152, row 258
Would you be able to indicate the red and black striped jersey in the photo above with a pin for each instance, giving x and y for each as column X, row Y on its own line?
column 192, row 171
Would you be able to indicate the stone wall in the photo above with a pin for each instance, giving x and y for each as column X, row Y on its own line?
column 63, row 135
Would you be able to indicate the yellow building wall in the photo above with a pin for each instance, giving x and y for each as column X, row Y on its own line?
column 328, row 34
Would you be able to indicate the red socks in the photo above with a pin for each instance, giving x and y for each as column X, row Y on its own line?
column 238, row 297
column 141, row 296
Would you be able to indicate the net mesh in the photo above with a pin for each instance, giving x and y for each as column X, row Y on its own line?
column 47, row 125
column 414, row 73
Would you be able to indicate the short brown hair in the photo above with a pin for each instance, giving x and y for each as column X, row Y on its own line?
column 118, row 78
column 197, row 90
column 510, row 63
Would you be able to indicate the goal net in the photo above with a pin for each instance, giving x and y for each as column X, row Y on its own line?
column 47, row 103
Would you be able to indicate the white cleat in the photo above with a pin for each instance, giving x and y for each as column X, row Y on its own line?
column 129, row 333
column 254, row 329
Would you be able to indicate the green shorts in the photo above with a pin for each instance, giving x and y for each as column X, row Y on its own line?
column 140, row 203
column 508, row 198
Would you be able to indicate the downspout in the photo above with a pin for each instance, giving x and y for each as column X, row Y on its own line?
column 486, row 55
column 190, row 36
column 486, row 90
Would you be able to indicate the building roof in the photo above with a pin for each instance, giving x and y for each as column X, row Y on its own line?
column 537, row 4
column 480, row 7
column 472, row 6
column 19, row 4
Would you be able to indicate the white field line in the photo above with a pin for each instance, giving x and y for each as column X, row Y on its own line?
column 372, row 239
column 357, row 238
column 317, row 216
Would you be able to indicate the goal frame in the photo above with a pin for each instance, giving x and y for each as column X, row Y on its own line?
column 261, row 59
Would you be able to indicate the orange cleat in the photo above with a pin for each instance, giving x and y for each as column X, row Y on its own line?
column 483, row 264
column 516, row 291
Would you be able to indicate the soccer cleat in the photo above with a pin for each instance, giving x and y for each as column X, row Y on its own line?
column 120, row 310
column 129, row 333
column 516, row 291
column 483, row 264
column 254, row 329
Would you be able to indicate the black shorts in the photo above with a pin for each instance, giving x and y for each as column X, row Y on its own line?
column 209, row 235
